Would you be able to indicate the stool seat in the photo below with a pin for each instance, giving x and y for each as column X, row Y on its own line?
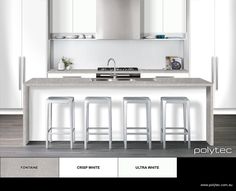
column 60, row 99
column 186, row 117
column 175, row 99
column 136, row 99
column 145, row 130
column 97, row 99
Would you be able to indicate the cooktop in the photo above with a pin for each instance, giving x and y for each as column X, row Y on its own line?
column 118, row 69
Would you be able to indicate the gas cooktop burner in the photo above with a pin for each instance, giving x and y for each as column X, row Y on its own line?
column 118, row 69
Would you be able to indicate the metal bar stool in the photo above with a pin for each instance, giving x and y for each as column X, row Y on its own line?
column 51, row 130
column 97, row 100
column 186, row 114
column 137, row 100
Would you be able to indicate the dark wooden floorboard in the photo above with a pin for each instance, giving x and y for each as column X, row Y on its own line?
column 11, row 128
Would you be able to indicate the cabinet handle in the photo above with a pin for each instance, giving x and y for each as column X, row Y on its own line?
column 20, row 74
column 23, row 70
column 214, row 72
column 217, row 74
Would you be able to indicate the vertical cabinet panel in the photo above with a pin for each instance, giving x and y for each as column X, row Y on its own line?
column 218, row 40
column 225, row 40
column 62, row 16
column 153, row 14
column 201, row 38
column 174, row 16
column 84, row 16
column 10, row 33
column 35, row 38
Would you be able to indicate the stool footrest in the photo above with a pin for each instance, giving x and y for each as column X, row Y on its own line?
column 138, row 128
column 176, row 133
column 136, row 134
column 98, row 128
column 175, row 128
column 60, row 128
column 98, row 133
column 59, row 133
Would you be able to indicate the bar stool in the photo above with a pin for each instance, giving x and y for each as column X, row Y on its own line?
column 186, row 114
column 137, row 100
column 97, row 100
column 51, row 130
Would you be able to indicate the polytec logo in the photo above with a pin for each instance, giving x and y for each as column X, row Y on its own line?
column 214, row 150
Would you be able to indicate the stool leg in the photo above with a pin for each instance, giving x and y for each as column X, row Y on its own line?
column 185, row 124
column 164, row 124
column 161, row 123
column 48, row 124
column 149, row 124
column 50, row 121
column 86, row 121
column 71, row 125
column 73, row 122
column 125, row 123
column 188, row 124
column 110, row 125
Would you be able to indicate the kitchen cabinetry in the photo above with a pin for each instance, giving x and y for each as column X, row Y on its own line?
column 62, row 14
column 84, row 16
column 201, row 38
column 73, row 16
column 225, row 46
column 10, row 92
column 35, row 38
column 23, row 49
column 213, row 44
column 165, row 16
column 174, row 16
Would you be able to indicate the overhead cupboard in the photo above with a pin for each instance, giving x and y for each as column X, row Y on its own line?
column 165, row 16
column 73, row 16
column 23, row 50
column 79, row 16
column 212, row 49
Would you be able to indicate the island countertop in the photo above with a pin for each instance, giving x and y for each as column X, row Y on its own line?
column 80, row 82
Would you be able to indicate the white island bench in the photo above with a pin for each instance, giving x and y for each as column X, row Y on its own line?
column 199, row 92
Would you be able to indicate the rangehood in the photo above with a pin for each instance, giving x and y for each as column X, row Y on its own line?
column 118, row 19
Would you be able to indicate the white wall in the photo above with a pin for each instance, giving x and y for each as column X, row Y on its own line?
column 138, row 53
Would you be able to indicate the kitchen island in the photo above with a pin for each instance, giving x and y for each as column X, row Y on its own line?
column 199, row 92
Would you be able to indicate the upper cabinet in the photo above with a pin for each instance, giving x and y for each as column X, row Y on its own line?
column 165, row 16
column 153, row 16
column 62, row 16
column 174, row 16
column 84, row 16
column 73, row 16
column 79, row 16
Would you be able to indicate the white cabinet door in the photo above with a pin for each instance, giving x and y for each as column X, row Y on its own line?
column 165, row 16
column 225, row 95
column 62, row 16
column 35, row 37
column 84, row 16
column 10, row 33
column 201, row 38
column 174, row 16
column 153, row 16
